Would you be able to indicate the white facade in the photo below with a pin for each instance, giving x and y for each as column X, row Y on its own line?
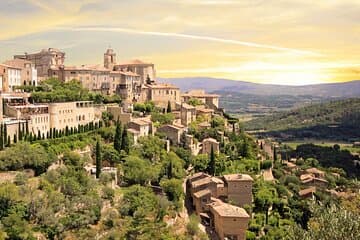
column 14, row 77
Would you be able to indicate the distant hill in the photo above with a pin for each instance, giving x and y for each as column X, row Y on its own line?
column 336, row 119
column 342, row 90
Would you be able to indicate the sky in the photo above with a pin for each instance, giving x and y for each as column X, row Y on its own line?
column 292, row 42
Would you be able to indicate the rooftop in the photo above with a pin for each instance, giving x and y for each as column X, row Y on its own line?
column 197, row 176
column 140, row 122
column 200, row 182
column 238, row 177
column 307, row 191
column 202, row 193
column 228, row 210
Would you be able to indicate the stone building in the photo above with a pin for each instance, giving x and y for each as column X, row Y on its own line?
column 11, row 77
column 239, row 188
column 28, row 71
column 71, row 114
column 44, row 60
column 208, row 195
column 187, row 114
column 160, row 94
column 173, row 132
column 142, row 125
column 36, row 116
column 229, row 221
column 209, row 143
column 209, row 100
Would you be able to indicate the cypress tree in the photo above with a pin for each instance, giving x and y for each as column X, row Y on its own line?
column 168, row 110
column 211, row 166
column 5, row 135
column 98, row 159
column 125, row 141
column 39, row 135
column 15, row 138
column 71, row 131
column 31, row 137
column 50, row 133
column 275, row 154
column 8, row 141
column 47, row 135
column 118, row 137
column 66, row 130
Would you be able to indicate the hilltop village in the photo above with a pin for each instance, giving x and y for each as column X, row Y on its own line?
column 108, row 152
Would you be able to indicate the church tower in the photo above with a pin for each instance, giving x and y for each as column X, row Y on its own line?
column 109, row 59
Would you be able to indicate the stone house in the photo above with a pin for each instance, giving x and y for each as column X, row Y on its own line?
column 229, row 221
column 187, row 114
column 172, row 132
column 209, row 100
column 209, row 143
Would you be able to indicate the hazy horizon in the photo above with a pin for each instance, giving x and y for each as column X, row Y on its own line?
column 287, row 43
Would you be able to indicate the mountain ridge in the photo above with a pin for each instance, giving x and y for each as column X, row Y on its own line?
column 342, row 89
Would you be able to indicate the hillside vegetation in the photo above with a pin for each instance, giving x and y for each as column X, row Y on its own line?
column 335, row 119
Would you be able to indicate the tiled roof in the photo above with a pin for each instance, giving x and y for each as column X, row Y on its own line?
column 238, row 177
column 228, row 210
column 202, row 193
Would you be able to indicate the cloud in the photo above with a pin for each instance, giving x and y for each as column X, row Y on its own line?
column 189, row 36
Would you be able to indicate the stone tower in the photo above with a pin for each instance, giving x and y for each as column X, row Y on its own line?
column 109, row 59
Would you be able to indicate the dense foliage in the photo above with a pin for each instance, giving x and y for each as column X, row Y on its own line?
column 336, row 120
column 54, row 90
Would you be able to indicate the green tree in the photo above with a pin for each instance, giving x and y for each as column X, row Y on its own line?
column 98, row 159
column 168, row 110
column 212, row 162
column 329, row 223
column 125, row 141
column 118, row 136
column 139, row 171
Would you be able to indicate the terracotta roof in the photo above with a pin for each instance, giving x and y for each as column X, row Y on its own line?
column 197, row 176
column 217, row 180
column 238, row 177
column 202, row 193
column 228, row 210
column 200, row 182
column 140, row 122
column 307, row 191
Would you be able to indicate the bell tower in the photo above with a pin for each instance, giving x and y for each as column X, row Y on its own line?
column 109, row 59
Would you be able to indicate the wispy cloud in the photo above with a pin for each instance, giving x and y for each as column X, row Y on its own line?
column 189, row 36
